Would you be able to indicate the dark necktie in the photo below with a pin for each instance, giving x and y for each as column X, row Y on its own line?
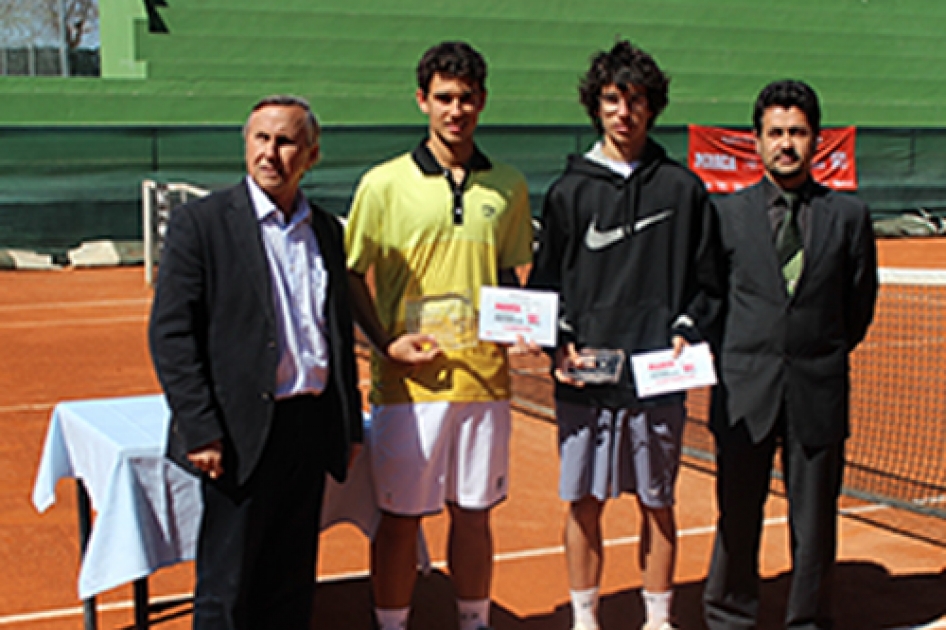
column 788, row 243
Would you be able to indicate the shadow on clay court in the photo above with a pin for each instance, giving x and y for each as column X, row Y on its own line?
column 867, row 598
column 166, row 611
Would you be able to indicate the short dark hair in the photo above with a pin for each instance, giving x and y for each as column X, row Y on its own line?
column 788, row 93
column 453, row 59
column 313, row 130
column 624, row 65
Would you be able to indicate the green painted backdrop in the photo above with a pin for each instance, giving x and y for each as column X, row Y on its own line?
column 875, row 62
column 168, row 106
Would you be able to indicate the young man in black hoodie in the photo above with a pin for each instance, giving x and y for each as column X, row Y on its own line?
column 627, row 239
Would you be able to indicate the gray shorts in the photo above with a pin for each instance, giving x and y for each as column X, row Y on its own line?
column 608, row 451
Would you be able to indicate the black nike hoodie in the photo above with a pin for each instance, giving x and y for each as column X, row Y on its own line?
column 628, row 257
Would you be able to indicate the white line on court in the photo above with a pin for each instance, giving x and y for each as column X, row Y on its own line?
column 510, row 556
column 931, row 500
column 48, row 406
column 59, row 613
column 39, row 306
column 684, row 533
column 502, row 557
column 863, row 509
column 27, row 407
column 65, row 323
column 338, row 577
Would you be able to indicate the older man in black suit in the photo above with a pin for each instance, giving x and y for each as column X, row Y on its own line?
column 800, row 281
column 251, row 336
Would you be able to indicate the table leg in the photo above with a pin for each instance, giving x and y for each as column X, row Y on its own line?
column 90, row 621
column 141, row 604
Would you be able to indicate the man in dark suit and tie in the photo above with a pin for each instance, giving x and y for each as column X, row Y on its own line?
column 251, row 337
column 799, row 285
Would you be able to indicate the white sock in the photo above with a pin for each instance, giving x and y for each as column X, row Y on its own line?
column 392, row 618
column 585, row 608
column 474, row 613
column 657, row 607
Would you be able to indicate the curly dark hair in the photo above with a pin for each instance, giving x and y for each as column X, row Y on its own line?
column 624, row 65
column 788, row 93
column 453, row 59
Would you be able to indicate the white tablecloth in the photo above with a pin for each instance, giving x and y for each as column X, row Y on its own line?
column 148, row 509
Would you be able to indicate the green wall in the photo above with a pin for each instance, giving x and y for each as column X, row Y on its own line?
column 168, row 107
column 875, row 63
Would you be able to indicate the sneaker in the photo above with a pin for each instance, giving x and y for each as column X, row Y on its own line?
column 666, row 625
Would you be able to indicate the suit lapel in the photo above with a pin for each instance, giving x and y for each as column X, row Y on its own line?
column 244, row 228
column 327, row 245
column 758, row 235
column 820, row 224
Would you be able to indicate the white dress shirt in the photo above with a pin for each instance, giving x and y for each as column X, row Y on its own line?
column 299, row 281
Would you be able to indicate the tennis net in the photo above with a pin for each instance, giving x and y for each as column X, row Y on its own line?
column 897, row 451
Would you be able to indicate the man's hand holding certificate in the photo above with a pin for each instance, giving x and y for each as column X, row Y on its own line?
column 509, row 314
column 660, row 373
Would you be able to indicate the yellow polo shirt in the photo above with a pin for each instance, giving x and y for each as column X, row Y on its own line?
column 402, row 223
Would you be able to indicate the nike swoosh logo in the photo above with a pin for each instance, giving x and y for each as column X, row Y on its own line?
column 654, row 218
column 596, row 239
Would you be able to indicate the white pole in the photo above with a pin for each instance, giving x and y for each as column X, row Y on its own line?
column 147, row 216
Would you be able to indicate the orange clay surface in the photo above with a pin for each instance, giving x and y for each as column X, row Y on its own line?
column 81, row 334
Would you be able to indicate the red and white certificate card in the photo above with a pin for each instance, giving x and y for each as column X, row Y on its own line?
column 509, row 313
column 659, row 373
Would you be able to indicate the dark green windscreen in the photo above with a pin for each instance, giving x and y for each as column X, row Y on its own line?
column 59, row 187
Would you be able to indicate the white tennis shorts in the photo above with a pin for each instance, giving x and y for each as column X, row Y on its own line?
column 425, row 454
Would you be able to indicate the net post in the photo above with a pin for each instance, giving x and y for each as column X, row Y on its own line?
column 147, row 215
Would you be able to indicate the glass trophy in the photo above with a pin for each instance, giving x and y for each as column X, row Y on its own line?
column 449, row 318
column 598, row 366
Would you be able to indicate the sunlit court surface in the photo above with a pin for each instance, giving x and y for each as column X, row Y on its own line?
column 80, row 334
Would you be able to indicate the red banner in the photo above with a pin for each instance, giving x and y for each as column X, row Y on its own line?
column 726, row 160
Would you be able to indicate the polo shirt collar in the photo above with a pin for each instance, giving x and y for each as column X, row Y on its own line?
column 428, row 164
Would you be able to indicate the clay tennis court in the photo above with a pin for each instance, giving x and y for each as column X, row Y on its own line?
column 78, row 334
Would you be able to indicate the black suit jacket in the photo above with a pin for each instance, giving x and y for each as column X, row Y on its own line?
column 778, row 348
column 213, row 333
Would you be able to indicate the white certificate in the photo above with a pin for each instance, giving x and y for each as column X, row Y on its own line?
column 659, row 373
column 508, row 313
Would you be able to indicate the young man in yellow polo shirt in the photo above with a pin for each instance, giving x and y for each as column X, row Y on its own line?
column 435, row 225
